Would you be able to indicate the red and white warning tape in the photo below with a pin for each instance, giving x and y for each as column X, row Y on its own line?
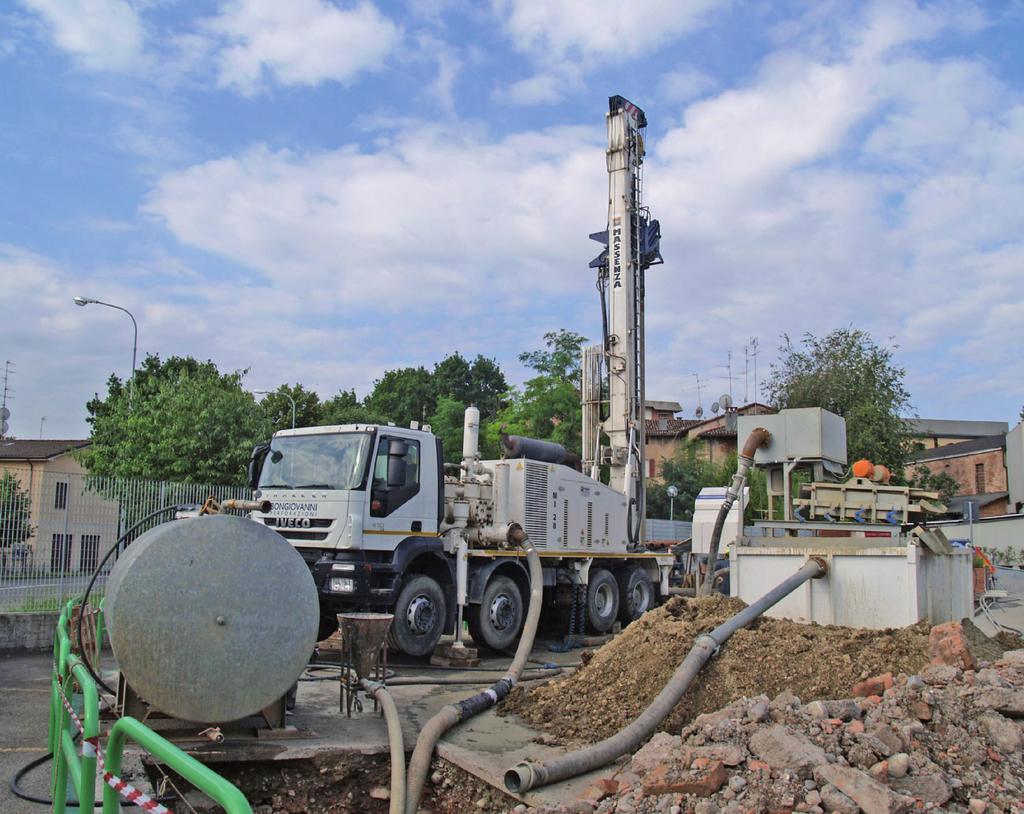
column 91, row 748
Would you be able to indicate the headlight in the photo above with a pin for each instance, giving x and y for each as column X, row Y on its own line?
column 343, row 567
column 342, row 585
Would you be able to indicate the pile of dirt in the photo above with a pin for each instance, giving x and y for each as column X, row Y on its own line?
column 618, row 681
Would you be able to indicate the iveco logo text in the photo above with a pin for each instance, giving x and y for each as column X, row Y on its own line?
column 306, row 509
column 291, row 522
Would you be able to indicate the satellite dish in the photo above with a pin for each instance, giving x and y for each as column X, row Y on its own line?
column 714, row 407
column 699, row 412
column 730, row 422
column 725, row 400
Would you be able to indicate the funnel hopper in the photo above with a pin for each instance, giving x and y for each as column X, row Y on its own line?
column 362, row 635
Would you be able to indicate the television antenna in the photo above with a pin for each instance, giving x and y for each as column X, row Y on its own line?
column 5, row 412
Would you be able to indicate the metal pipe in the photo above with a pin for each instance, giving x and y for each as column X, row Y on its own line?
column 525, row 776
column 395, row 743
column 453, row 714
column 247, row 505
column 759, row 437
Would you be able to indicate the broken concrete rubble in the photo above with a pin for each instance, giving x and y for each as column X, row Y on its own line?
column 766, row 756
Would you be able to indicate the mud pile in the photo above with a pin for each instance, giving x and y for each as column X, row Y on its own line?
column 771, row 656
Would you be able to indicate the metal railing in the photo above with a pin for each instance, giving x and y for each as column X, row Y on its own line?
column 78, row 769
column 55, row 527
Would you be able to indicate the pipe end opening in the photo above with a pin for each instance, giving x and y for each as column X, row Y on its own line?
column 517, row 778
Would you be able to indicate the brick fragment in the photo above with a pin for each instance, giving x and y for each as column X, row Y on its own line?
column 874, row 686
column 947, row 644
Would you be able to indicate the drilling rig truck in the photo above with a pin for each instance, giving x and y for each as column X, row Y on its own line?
column 384, row 527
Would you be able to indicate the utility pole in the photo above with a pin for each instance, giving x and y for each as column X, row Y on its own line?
column 5, row 412
column 754, row 351
column 746, row 374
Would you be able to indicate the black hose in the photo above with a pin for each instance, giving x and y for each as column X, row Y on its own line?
column 92, row 582
column 19, row 792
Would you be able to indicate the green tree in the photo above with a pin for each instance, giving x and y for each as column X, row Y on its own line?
column 689, row 470
column 848, row 373
column 187, row 421
column 561, row 358
column 942, row 482
column 479, row 382
column 548, row 405
column 15, row 511
column 403, row 395
column 346, row 408
column 279, row 408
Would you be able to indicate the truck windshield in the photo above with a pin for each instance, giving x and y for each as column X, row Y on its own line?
column 316, row 461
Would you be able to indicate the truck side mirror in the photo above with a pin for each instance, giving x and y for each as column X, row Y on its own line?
column 259, row 455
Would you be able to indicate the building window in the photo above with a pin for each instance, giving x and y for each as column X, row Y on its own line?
column 652, row 468
column 979, row 479
column 60, row 498
column 60, row 553
column 88, row 556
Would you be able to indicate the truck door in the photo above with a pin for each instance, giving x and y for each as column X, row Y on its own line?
column 403, row 494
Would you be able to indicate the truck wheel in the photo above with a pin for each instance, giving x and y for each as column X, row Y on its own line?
column 496, row 621
column 419, row 616
column 602, row 601
column 636, row 594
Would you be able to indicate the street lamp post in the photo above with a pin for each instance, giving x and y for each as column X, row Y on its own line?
column 279, row 393
column 84, row 301
column 672, row 491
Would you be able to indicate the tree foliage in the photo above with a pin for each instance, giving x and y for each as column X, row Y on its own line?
column 848, row 373
column 186, row 421
column 942, row 482
column 15, row 511
column 308, row 409
column 689, row 470
column 346, row 408
column 561, row 357
column 548, row 405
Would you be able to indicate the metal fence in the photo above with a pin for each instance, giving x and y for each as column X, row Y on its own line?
column 662, row 530
column 56, row 527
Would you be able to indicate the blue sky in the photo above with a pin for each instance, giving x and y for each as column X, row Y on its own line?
column 319, row 191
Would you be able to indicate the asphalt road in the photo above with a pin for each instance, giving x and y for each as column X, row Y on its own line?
column 24, row 712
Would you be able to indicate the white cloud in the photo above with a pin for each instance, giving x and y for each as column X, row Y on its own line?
column 300, row 42
column 102, row 34
column 608, row 28
column 565, row 38
column 434, row 210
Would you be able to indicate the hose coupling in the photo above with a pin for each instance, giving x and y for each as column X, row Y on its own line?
column 524, row 776
column 822, row 563
column 708, row 641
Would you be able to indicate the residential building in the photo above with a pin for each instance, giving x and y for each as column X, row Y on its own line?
column 665, row 433
column 71, row 523
column 978, row 466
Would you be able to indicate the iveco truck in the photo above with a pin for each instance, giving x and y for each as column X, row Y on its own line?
column 385, row 526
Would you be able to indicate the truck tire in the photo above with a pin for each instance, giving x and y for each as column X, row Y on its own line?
column 602, row 601
column 420, row 613
column 636, row 594
column 497, row 620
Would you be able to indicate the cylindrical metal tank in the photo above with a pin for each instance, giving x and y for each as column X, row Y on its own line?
column 212, row 618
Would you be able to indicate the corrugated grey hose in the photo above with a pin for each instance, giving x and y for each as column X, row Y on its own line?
column 453, row 714
column 760, row 437
column 395, row 743
column 525, row 776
